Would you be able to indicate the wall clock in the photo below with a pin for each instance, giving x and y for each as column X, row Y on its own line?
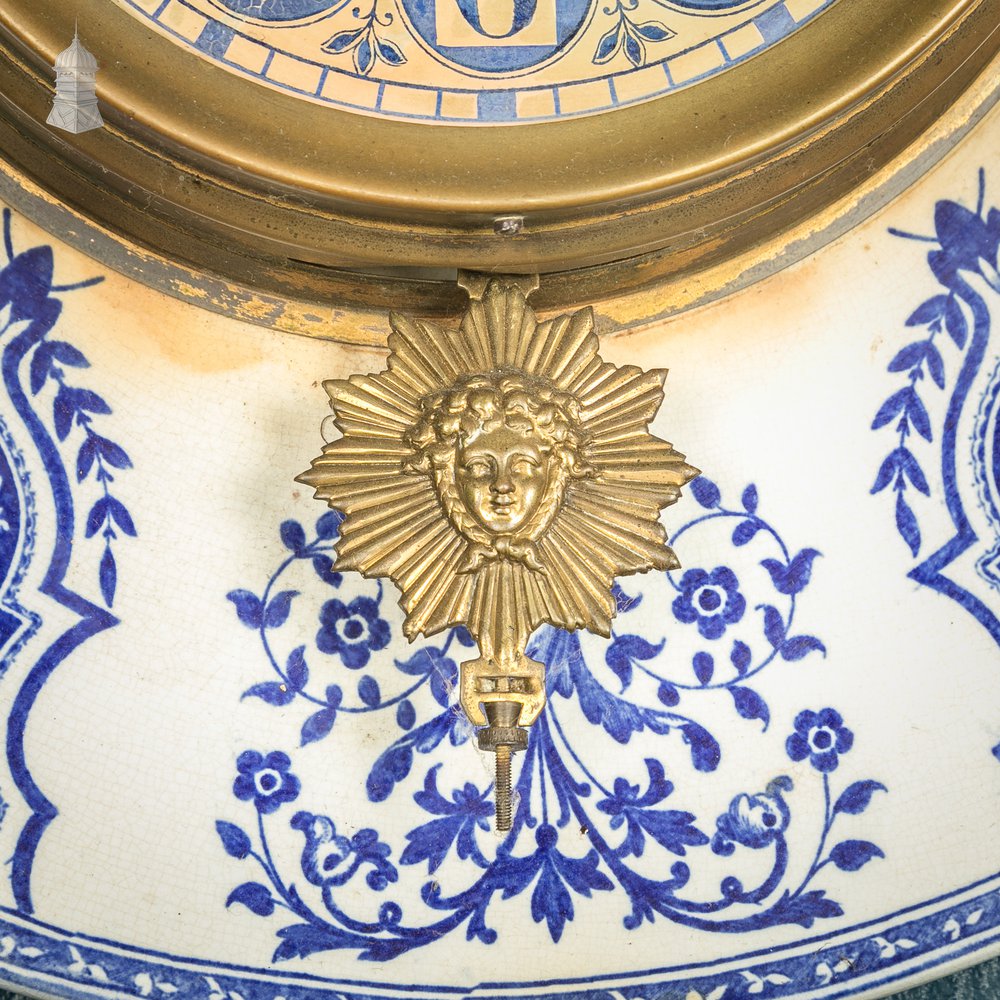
column 227, row 773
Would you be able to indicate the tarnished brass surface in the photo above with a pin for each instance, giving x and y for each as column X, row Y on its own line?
column 502, row 475
column 265, row 199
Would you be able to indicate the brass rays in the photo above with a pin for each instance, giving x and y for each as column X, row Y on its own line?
column 501, row 475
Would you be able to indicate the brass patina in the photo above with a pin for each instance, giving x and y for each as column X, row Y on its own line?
column 269, row 208
column 502, row 475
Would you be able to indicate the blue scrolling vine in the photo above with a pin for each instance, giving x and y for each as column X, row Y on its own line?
column 577, row 830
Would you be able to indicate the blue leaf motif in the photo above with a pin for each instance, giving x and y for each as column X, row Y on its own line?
column 624, row 602
column 368, row 691
column 935, row 364
column 107, row 575
column 406, row 714
column 248, row 607
column 342, row 41
column 41, row 365
column 30, row 273
column 390, row 53
column 668, row 694
column 705, row 751
column 328, row 526
column 917, row 413
column 278, row 609
column 887, row 470
column 96, row 517
column 954, row 322
column 551, row 902
column 84, row 399
column 272, row 692
column 706, row 492
column 318, row 725
column 443, row 671
column 112, row 453
column 794, row 577
column 928, row 311
column 85, row 458
column 906, row 523
column 395, row 763
column 63, row 413
column 774, row 626
column 67, row 354
column 293, row 535
column 296, row 668
column 463, row 637
column 909, row 357
column 254, row 896
column 625, row 650
column 850, row 855
column 635, row 51
column 704, row 666
column 654, row 31
column 364, row 57
column 799, row 646
column 806, row 908
column 467, row 811
column 234, row 840
column 750, row 499
column 745, row 531
column 893, row 406
column 608, row 45
column 908, row 466
column 750, row 705
column 323, row 565
column 855, row 798
column 121, row 516
column 740, row 657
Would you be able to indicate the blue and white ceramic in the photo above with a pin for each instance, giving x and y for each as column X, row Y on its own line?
column 227, row 776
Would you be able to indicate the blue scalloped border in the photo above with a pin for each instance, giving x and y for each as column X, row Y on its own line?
column 842, row 963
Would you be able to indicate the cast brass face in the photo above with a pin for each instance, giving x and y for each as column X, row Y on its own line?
column 502, row 475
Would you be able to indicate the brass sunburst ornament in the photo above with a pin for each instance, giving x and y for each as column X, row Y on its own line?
column 501, row 475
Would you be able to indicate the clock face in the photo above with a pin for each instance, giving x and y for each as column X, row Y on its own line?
column 477, row 61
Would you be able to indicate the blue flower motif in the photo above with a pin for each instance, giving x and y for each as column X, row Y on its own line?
column 822, row 737
column 353, row 630
column 753, row 820
column 329, row 859
column 266, row 780
column 713, row 600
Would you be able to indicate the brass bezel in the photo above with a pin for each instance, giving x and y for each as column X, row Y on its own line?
column 256, row 203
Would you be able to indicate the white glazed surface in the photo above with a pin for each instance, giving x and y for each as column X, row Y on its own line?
column 129, row 697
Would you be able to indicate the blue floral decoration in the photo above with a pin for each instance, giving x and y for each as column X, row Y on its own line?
column 352, row 631
column 754, row 821
column 577, row 830
column 266, row 780
column 820, row 736
column 713, row 600
column 332, row 860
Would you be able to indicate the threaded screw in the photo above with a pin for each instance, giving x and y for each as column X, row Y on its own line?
column 502, row 792
column 504, row 737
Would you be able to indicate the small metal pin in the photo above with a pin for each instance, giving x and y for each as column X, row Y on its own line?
column 504, row 737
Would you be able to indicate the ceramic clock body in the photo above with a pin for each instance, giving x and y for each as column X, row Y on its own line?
column 232, row 768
